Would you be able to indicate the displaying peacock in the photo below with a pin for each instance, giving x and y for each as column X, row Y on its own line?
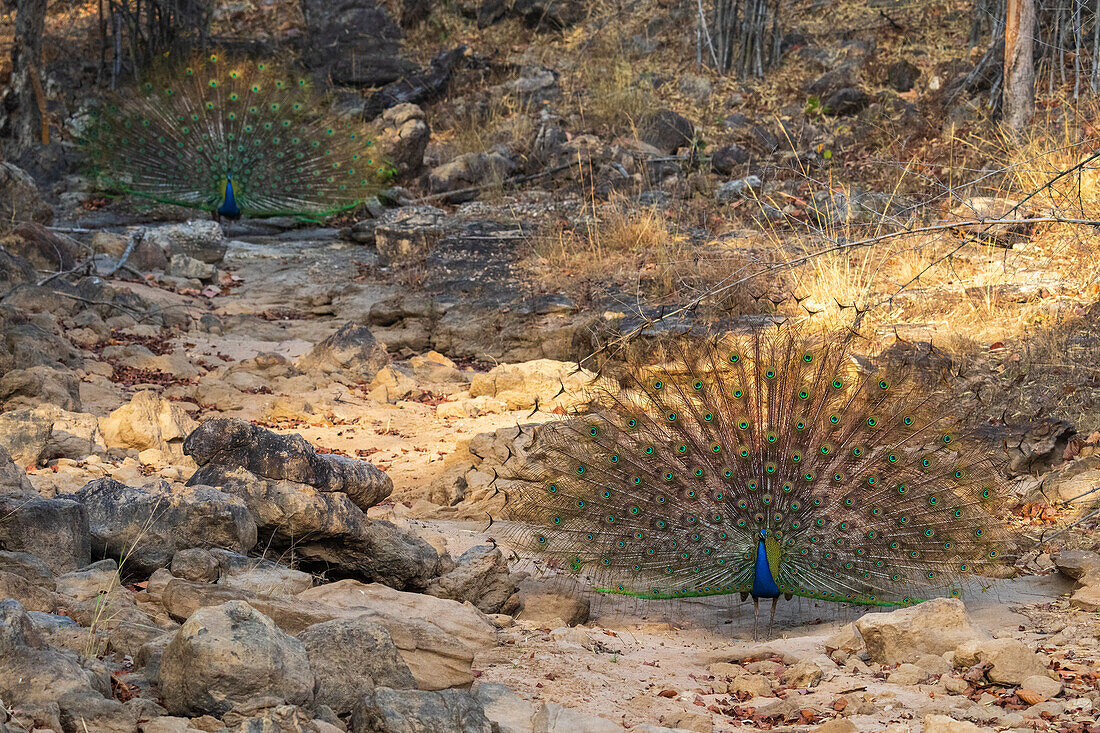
column 769, row 465
column 234, row 138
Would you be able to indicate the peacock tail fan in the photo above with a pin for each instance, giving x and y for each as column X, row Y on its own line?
column 188, row 131
column 856, row 485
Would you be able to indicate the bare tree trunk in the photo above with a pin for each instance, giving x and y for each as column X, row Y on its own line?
column 1019, row 74
column 26, row 101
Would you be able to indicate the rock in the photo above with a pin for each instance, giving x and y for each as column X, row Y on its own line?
column 31, row 596
column 902, row 75
column 182, row 598
column 1008, row 213
column 933, row 627
column 419, row 711
column 840, row 725
column 150, row 524
column 228, row 443
column 404, row 138
column 468, row 170
column 479, row 577
column 34, row 436
column 549, row 15
column 54, row 530
column 38, row 385
column 1076, row 564
column 13, row 479
column 437, row 638
column 32, row 675
column 350, row 657
column 326, row 529
column 148, row 255
column 148, row 421
column 202, row 240
column 352, row 349
column 806, row 673
column 854, row 207
column 88, row 712
column 354, row 42
column 1011, row 661
column 1087, row 598
column 544, row 604
column 90, row 581
column 907, row 674
column 845, row 102
column 753, row 685
column 945, row 724
column 188, row 267
column 666, row 131
column 224, row 655
column 27, row 566
column 728, row 158
column 694, row 87
column 546, row 382
column 19, row 199
column 196, row 564
column 1043, row 686
column 731, row 191
column 259, row 575
column 45, row 250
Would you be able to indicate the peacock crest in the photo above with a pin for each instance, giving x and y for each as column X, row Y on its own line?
column 233, row 137
column 766, row 464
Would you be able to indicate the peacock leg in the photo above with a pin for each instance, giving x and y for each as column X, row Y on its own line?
column 755, row 616
column 771, row 618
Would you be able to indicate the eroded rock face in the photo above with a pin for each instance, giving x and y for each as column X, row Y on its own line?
column 350, row 657
column 19, row 199
column 229, row 443
column 352, row 349
column 355, row 42
column 480, row 577
column 13, row 479
column 202, row 240
column 225, row 655
column 150, row 524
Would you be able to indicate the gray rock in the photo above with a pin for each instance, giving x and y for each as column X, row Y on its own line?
column 480, row 577
column 27, row 566
column 13, row 479
column 202, row 240
column 19, row 199
column 902, row 75
column 92, row 712
column 404, row 138
column 933, row 627
column 54, row 530
column 543, row 603
column 259, row 575
column 1076, row 564
column 419, row 711
column 732, row 190
column 327, row 529
column 225, row 655
column 150, row 524
column 45, row 250
column 728, row 158
column 228, row 443
column 39, row 385
column 666, row 131
column 196, row 564
column 351, row 349
column 185, row 266
column 1010, row 660
column 550, row 15
column 32, row 675
column 355, row 42
column 350, row 657
column 469, row 169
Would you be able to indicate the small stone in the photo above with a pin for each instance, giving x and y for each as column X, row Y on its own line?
column 907, row 674
column 1043, row 686
column 944, row 724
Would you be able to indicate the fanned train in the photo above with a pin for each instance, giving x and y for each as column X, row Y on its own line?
column 769, row 465
column 235, row 138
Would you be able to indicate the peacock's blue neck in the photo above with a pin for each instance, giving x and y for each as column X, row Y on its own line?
column 763, row 582
column 229, row 208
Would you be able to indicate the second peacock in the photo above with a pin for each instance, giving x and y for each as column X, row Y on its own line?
column 236, row 138
column 766, row 464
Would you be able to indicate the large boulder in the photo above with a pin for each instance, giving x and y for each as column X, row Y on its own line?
column 33, row 675
column 39, row 385
column 419, row 711
column 354, row 42
column 1010, row 661
column 352, row 349
column 148, row 525
column 13, row 479
column 480, row 576
column 148, row 421
column 404, row 138
column 225, row 655
column 19, row 199
column 55, row 530
column 350, row 657
column 326, row 530
column 45, row 250
column 229, row 443
column 666, row 131
column 933, row 627
column 202, row 240
column 33, row 436
column 437, row 638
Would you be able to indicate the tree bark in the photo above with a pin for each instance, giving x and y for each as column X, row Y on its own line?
column 25, row 100
column 1019, row 74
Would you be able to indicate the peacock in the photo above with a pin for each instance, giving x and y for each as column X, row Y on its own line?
column 766, row 464
column 233, row 138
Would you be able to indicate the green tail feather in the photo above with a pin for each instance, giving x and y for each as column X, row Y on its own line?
column 865, row 488
column 182, row 134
